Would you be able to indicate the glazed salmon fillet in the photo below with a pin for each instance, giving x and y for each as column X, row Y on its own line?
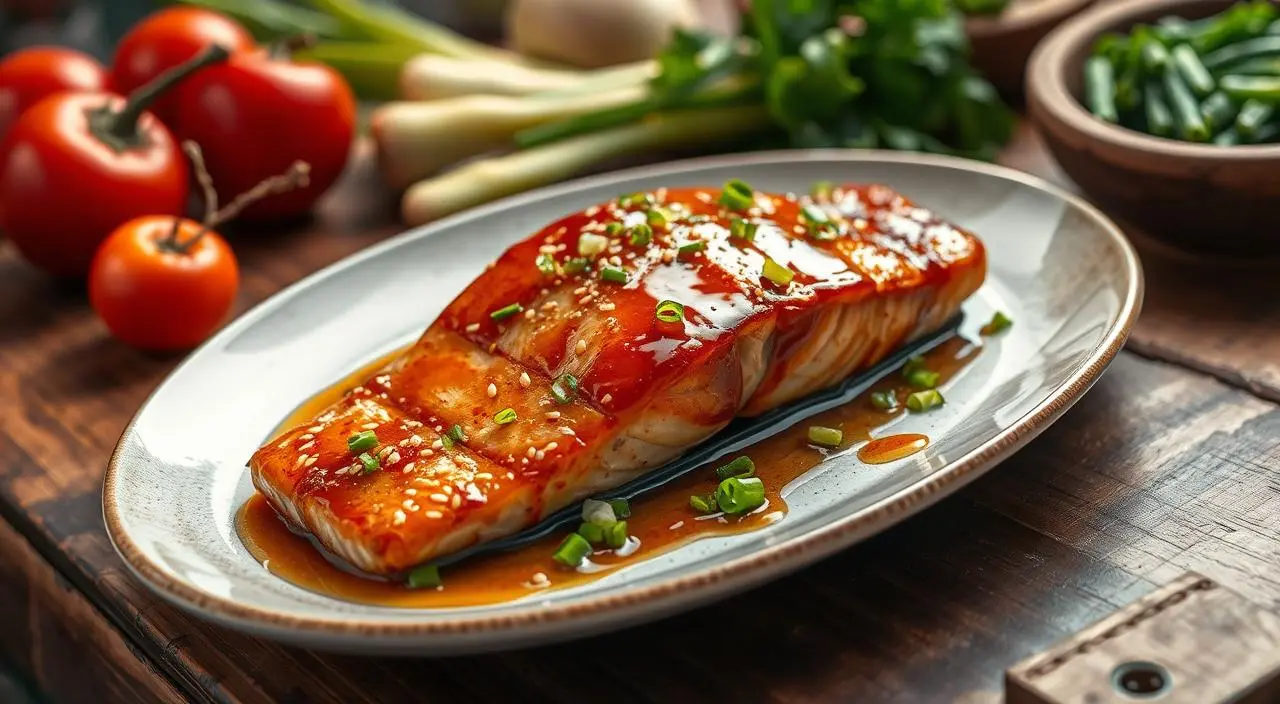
column 604, row 346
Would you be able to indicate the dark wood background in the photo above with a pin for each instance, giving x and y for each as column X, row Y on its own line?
column 1171, row 462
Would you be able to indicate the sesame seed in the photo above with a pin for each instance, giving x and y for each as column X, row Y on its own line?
column 300, row 460
column 483, row 475
column 447, row 489
column 492, row 390
column 579, row 290
column 393, row 458
column 308, row 446
column 581, row 346
column 539, row 578
column 547, row 249
column 551, row 446
column 586, row 299
column 607, row 307
column 607, row 398
column 407, row 468
column 473, row 327
column 457, row 500
column 370, row 426
column 553, row 415
column 524, row 460
column 410, row 492
column 311, row 460
column 433, row 514
column 398, row 518
column 315, row 429
column 566, row 430
column 341, row 471
column 305, row 436
column 437, row 445
column 531, row 451
column 525, row 380
column 428, row 452
column 668, row 256
column 676, row 526
column 385, row 451
column 550, row 305
column 539, row 455
column 529, row 313
column 283, row 444
column 414, row 440
column 409, row 504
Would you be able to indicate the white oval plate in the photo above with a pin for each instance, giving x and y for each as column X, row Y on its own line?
column 1062, row 271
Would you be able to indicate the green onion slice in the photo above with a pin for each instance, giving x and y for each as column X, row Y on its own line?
column 366, row 440
column 740, row 467
column 999, row 323
column 456, row 434
column 615, row 536
column 632, row 199
column 737, row 195
column 572, row 551
column 821, row 190
column 777, row 273
column 505, row 416
column 591, row 244
column 703, row 503
column 743, row 229
column 670, row 312
column 506, row 311
column 912, row 364
column 613, row 275
column 827, row 437
column 921, row 401
column 425, row 577
column 621, row 508
column 640, row 235
column 565, row 388
column 592, row 532
column 598, row 512
column 546, row 264
column 814, row 214
column 691, row 248
column 613, row 229
column 923, row 378
column 884, row 400
column 369, row 462
column 738, row 495
column 656, row 217
column 576, row 265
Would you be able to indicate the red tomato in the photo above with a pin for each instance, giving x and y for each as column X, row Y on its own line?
column 166, row 39
column 256, row 114
column 28, row 75
column 162, row 289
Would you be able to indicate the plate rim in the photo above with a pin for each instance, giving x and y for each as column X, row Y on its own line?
column 681, row 591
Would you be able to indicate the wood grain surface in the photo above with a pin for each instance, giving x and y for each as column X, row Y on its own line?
column 1171, row 463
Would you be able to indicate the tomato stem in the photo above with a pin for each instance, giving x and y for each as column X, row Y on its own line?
column 119, row 128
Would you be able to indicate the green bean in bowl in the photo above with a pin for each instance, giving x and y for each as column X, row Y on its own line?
column 1215, row 79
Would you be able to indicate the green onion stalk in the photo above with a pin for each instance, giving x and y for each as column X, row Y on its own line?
column 890, row 74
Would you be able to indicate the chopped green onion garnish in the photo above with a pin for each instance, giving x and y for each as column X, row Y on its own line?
column 456, row 434
column 565, row 388
column 613, row 229
column 737, row 195
column 594, row 533
column 613, row 275
column 999, row 323
column 670, row 312
column 591, row 244
column 572, row 551
column 369, row 461
column 884, row 400
column 447, row 442
column 506, row 311
column 615, row 536
column 737, row 495
column 598, row 512
column 923, row 378
column 742, row 229
column 740, row 467
column 366, row 440
column 821, row 190
column 777, row 273
column 576, row 265
column 824, row 232
column 656, row 217
column 814, row 214
column 703, row 503
column 640, row 235
column 546, row 264
column 691, row 248
column 925, row 400
column 912, row 364
column 425, row 577
column 631, row 199
column 621, row 508
column 505, row 416
column 828, row 437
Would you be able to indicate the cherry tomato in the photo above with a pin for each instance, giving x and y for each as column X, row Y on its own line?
column 77, row 165
column 162, row 289
column 256, row 114
column 28, row 75
column 166, row 39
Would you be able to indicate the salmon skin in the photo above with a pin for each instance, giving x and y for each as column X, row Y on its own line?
column 602, row 347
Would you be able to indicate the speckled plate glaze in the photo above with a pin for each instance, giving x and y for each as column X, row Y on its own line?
column 1063, row 271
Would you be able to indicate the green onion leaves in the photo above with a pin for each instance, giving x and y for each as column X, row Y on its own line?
column 999, row 323
column 827, row 437
column 691, row 248
column 921, row 401
column 505, row 416
column 639, row 235
column 737, row 195
column 565, row 388
column 456, row 434
column 368, row 462
column 425, row 577
column 365, row 440
column 572, row 551
column 740, row 467
column 884, row 400
column 742, row 228
column 546, row 264
column 506, row 311
column 738, row 495
column 670, row 312
column 780, row 275
column 613, row 275
column 703, row 503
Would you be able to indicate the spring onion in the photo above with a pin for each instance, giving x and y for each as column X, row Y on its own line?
column 546, row 264
column 591, row 244
column 691, row 248
column 923, row 378
column 737, row 195
column 576, row 265
column 369, row 462
column 999, row 323
column 913, row 363
column 884, row 400
column 621, row 508
column 456, row 434
column 505, row 416
column 742, row 228
column 613, row 275
column 507, row 311
column 598, row 512
column 366, row 440
column 670, row 312
column 777, row 273
column 814, row 214
column 703, row 503
column 615, row 536
column 656, row 218
column 639, row 235
column 738, row 495
column 565, row 388
column 633, row 199
column 572, row 551
column 827, row 437
column 425, row 577
column 924, row 400
column 822, row 190
column 593, row 532
column 740, row 467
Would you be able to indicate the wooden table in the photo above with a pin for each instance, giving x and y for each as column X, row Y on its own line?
column 1171, row 462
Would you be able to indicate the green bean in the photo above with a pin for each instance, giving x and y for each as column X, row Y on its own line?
column 1227, row 138
column 1154, row 56
column 1159, row 117
column 1218, row 111
column 1186, row 110
column 1266, row 88
column 1193, row 72
column 1247, row 49
column 1100, row 88
column 1253, row 115
column 1261, row 66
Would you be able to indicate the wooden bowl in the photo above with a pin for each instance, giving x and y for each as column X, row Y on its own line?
column 1196, row 196
column 1002, row 44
